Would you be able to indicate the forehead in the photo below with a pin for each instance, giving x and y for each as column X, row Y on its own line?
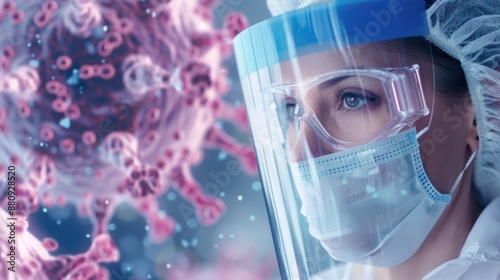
column 374, row 55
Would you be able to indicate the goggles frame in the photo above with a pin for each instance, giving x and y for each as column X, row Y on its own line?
column 404, row 108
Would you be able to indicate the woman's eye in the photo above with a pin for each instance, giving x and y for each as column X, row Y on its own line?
column 355, row 101
column 352, row 101
column 290, row 109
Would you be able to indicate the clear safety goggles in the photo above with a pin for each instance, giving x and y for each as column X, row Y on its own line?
column 350, row 107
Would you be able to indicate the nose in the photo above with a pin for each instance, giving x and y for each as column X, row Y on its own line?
column 305, row 144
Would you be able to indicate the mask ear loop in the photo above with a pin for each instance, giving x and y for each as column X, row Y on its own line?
column 455, row 184
column 425, row 129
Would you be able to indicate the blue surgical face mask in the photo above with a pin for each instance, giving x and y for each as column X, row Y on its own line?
column 373, row 204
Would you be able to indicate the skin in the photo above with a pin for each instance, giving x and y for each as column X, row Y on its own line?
column 445, row 148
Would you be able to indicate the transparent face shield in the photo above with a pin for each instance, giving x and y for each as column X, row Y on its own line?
column 336, row 101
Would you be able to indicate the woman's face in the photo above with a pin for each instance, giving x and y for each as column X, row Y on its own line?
column 348, row 113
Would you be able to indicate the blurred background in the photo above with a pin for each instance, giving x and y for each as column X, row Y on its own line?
column 239, row 246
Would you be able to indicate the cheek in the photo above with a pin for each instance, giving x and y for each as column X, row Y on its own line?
column 443, row 146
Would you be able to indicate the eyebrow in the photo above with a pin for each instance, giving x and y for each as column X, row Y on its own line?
column 331, row 82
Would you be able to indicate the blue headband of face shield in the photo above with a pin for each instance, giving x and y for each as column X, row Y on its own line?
column 309, row 30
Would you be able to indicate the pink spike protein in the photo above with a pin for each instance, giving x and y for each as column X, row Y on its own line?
column 34, row 261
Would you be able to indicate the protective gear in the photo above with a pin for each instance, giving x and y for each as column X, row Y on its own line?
column 325, row 79
column 382, row 92
column 479, row 258
column 363, row 203
column 326, row 88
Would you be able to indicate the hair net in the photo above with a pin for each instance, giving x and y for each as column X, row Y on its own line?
column 470, row 32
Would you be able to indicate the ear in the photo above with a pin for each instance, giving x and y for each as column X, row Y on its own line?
column 473, row 136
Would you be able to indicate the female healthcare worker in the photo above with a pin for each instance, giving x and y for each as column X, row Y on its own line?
column 365, row 132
